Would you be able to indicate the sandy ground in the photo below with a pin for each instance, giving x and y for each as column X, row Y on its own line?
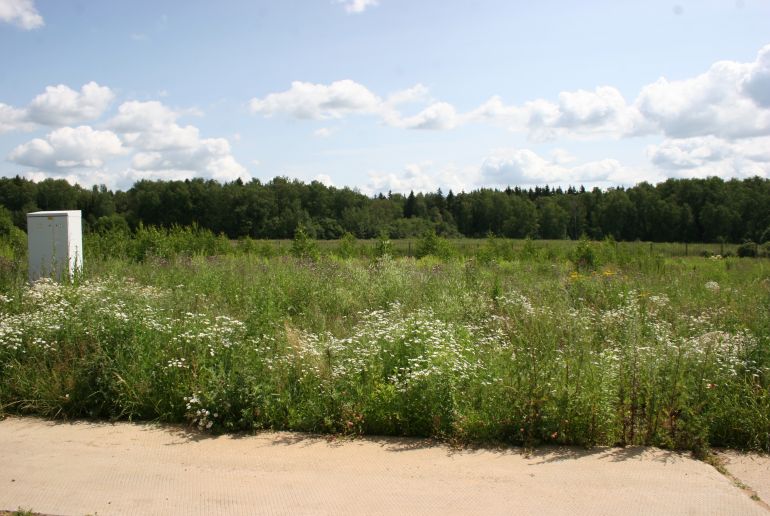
column 86, row 468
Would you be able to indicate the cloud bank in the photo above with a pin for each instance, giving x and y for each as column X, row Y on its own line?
column 714, row 124
column 147, row 134
column 731, row 100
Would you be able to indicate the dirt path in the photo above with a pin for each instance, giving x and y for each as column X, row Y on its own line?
column 86, row 468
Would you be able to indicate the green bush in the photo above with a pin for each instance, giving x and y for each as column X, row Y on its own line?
column 303, row 246
column 495, row 250
column 529, row 250
column 384, row 246
column 348, row 247
column 584, row 256
column 248, row 245
column 188, row 241
column 13, row 242
column 432, row 245
column 747, row 249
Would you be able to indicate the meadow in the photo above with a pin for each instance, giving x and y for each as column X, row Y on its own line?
column 522, row 342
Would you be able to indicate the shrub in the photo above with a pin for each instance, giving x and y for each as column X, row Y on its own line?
column 150, row 241
column 384, row 246
column 748, row 249
column 584, row 255
column 13, row 241
column 114, row 222
column 530, row 250
column 303, row 246
column 248, row 245
column 348, row 247
column 432, row 245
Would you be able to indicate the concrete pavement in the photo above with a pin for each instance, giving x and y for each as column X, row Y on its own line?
column 124, row 468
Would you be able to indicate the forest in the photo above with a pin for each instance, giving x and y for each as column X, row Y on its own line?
column 677, row 210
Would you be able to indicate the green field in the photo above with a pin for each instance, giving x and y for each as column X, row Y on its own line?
column 521, row 342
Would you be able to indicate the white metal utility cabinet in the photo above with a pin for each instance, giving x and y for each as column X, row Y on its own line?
column 55, row 243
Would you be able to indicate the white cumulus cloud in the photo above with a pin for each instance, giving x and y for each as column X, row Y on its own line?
column 61, row 105
column 726, row 102
column 576, row 114
column 210, row 158
column 168, row 150
column 424, row 176
column 730, row 100
column 13, row 119
column 319, row 101
column 21, row 13
column 306, row 100
column 148, row 133
column 705, row 156
column 437, row 116
column 152, row 126
column 526, row 168
column 135, row 116
column 69, row 147
column 57, row 106
column 756, row 84
column 417, row 93
column 510, row 167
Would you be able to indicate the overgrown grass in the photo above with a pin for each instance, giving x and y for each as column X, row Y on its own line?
column 148, row 242
column 522, row 345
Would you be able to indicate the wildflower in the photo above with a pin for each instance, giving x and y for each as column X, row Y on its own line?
column 713, row 286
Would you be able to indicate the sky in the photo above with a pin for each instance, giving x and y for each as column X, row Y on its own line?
column 385, row 95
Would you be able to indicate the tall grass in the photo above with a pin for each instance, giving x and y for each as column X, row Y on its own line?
column 523, row 345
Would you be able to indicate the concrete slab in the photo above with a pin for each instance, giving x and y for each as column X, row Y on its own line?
column 89, row 468
column 751, row 469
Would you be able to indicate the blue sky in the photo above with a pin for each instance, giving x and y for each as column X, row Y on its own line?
column 385, row 95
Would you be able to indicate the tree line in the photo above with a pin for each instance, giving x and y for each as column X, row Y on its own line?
column 677, row 210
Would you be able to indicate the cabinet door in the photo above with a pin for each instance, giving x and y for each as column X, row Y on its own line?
column 48, row 247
